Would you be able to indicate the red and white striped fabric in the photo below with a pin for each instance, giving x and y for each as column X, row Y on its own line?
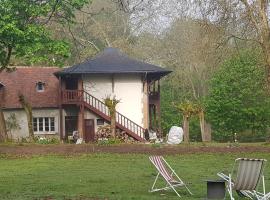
column 162, row 169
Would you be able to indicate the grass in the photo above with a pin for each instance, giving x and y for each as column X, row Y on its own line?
column 107, row 176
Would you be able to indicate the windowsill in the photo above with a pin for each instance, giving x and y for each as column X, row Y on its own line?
column 44, row 133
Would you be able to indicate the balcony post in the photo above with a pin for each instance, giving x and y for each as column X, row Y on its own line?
column 158, row 110
column 60, row 109
column 145, row 105
column 81, row 107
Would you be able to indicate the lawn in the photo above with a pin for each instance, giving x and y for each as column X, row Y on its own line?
column 106, row 176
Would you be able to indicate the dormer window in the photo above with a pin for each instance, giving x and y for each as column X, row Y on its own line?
column 40, row 86
column 1, row 85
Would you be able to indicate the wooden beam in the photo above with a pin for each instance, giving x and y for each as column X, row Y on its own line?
column 159, row 111
column 145, row 105
column 83, row 123
column 81, row 127
column 60, row 108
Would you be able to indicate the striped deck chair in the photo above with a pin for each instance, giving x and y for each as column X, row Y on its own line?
column 168, row 174
column 245, row 178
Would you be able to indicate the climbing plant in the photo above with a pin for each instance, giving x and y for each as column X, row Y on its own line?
column 28, row 110
column 12, row 123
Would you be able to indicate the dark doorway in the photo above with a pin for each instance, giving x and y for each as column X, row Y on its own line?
column 2, row 87
column 71, row 125
column 89, row 130
column 71, row 83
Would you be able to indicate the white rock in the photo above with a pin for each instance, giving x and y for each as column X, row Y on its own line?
column 175, row 135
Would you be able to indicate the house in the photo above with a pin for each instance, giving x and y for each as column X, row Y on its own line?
column 40, row 88
column 72, row 98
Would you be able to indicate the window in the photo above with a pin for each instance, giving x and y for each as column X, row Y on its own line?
column 40, row 86
column 100, row 122
column 47, row 127
column 35, row 124
column 1, row 85
column 43, row 124
column 40, row 124
column 52, row 124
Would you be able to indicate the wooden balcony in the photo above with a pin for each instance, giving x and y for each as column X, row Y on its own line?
column 72, row 96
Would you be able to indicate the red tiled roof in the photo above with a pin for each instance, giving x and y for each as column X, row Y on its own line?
column 23, row 81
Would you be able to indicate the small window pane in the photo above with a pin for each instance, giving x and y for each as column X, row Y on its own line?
column 35, row 124
column 40, row 124
column 52, row 124
column 100, row 122
column 47, row 124
column 40, row 86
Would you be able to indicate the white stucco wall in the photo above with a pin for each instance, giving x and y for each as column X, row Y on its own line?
column 89, row 115
column 98, row 85
column 22, row 121
column 127, row 87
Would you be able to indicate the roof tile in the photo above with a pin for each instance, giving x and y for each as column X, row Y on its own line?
column 112, row 60
column 23, row 81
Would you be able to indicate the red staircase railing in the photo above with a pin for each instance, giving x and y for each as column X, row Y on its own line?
column 79, row 96
column 72, row 96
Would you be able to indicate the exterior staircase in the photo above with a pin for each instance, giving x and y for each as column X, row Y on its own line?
column 98, row 107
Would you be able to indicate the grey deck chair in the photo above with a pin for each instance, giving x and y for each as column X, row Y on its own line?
column 168, row 174
column 247, row 174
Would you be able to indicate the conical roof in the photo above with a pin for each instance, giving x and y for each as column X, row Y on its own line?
column 112, row 61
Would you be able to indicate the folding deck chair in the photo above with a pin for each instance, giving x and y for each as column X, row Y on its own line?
column 246, row 178
column 168, row 174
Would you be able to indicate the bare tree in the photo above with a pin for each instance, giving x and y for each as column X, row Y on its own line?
column 244, row 21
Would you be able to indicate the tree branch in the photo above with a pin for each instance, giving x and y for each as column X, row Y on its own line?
column 52, row 12
column 250, row 12
column 5, row 62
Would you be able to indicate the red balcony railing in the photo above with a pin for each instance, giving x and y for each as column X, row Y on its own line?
column 72, row 96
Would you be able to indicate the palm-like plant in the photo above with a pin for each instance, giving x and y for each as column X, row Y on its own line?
column 111, row 104
column 188, row 109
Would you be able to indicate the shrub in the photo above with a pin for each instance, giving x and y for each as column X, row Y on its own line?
column 43, row 140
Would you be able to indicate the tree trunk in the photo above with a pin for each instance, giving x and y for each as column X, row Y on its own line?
column 266, row 53
column 186, row 128
column 205, row 128
column 113, row 124
column 29, row 115
column 202, row 125
column 208, row 132
column 28, row 110
column 3, row 129
column 268, row 70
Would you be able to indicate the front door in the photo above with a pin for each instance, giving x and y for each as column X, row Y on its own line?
column 89, row 130
column 70, row 125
